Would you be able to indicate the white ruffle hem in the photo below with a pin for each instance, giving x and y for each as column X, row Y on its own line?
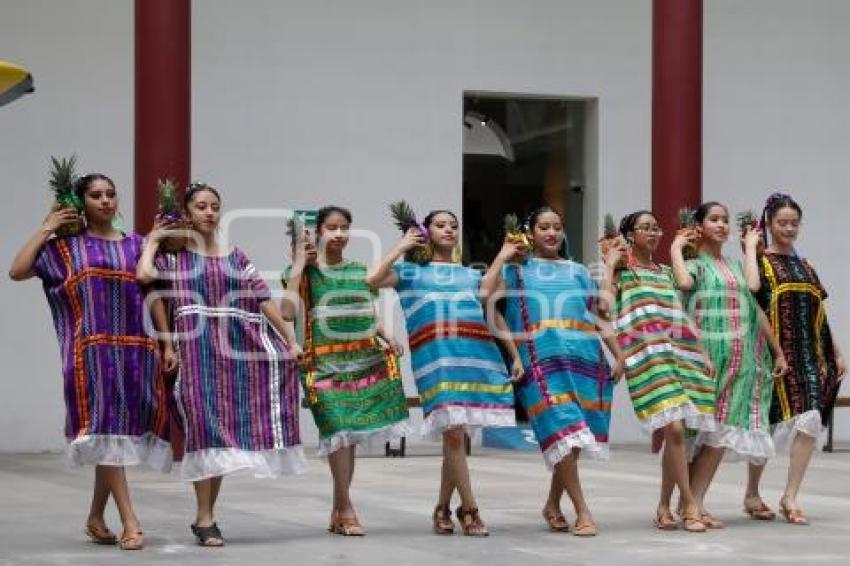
column 694, row 420
column 440, row 420
column 754, row 446
column 582, row 439
column 367, row 438
column 212, row 462
column 119, row 450
column 808, row 423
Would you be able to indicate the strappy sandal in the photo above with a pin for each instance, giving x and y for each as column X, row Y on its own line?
column 793, row 516
column 710, row 521
column 442, row 518
column 556, row 521
column 347, row 526
column 693, row 524
column 100, row 534
column 587, row 529
column 664, row 521
column 759, row 512
column 132, row 541
column 208, row 536
column 471, row 523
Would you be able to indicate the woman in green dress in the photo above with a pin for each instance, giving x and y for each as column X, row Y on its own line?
column 736, row 334
column 351, row 378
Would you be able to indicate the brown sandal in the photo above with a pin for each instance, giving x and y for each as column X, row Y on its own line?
column 585, row 529
column 471, row 523
column 556, row 521
column 132, row 541
column 759, row 511
column 693, row 523
column 100, row 534
column 347, row 526
column 442, row 518
column 710, row 521
column 664, row 521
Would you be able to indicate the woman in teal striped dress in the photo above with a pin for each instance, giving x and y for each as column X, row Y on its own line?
column 667, row 372
column 460, row 375
column 351, row 376
column 738, row 338
column 563, row 380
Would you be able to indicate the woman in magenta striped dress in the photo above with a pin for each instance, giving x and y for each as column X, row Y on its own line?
column 115, row 395
column 237, row 386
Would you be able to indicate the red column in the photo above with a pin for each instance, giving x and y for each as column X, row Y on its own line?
column 676, row 111
column 163, row 100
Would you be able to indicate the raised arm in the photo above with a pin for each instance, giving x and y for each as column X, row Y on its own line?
column 22, row 265
column 751, row 263
column 608, row 285
column 684, row 280
column 146, row 272
column 382, row 275
column 303, row 254
column 492, row 281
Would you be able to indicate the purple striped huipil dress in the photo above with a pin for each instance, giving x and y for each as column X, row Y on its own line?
column 115, row 395
column 237, row 385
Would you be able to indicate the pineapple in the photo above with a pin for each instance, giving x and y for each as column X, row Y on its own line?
column 515, row 234
column 62, row 179
column 404, row 217
column 611, row 238
column 169, row 211
column 687, row 223
column 747, row 220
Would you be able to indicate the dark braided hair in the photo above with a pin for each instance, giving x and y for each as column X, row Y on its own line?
column 774, row 203
column 629, row 221
column 531, row 222
column 196, row 188
column 431, row 215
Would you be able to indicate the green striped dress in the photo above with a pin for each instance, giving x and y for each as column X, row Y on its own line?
column 726, row 313
column 666, row 372
column 352, row 381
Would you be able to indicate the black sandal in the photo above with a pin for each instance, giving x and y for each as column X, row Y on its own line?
column 206, row 534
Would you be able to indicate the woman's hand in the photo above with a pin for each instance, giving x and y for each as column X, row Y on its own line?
column 517, row 370
column 751, row 238
column 840, row 366
column 512, row 250
column 59, row 218
column 169, row 360
column 412, row 238
column 298, row 353
column 780, row 366
column 619, row 369
column 685, row 238
column 394, row 345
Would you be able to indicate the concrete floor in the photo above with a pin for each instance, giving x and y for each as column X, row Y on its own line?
column 282, row 521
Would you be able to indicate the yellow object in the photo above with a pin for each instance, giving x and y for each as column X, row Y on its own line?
column 14, row 82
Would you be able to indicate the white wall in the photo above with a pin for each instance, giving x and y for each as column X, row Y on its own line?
column 777, row 114
column 81, row 56
column 303, row 103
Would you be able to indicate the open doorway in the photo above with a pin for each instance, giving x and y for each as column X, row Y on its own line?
column 521, row 152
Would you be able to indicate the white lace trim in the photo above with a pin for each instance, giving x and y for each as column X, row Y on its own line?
column 755, row 446
column 469, row 418
column 582, row 439
column 688, row 412
column 368, row 438
column 120, row 450
column 212, row 462
column 807, row 423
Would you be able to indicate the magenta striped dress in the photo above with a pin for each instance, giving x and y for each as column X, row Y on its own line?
column 237, row 386
column 115, row 396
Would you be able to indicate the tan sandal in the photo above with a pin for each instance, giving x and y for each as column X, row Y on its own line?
column 710, row 521
column 132, row 541
column 471, row 523
column 664, row 521
column 347, row 526
column 693, row 523
column 442, row 518
column 793, row 516
column 556, row 521
column 759, row 512
column 584, row 529
column 100, row 534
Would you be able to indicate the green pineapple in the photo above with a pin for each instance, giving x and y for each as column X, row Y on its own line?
column 169, row 211
column 611, row 237
column 746, row 220
column 609, row 228
column 404, row 217
column 63, row 176
column 687, row 223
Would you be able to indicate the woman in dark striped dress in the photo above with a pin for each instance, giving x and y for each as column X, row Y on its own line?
column 667, row 371
column 791, row 294
column 115, row 394
column 237, row 386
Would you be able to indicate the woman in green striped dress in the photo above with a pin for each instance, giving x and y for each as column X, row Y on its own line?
column 351, row 377
column 667, row 372
column 739, row 340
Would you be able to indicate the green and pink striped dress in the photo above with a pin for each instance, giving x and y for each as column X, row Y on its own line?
column 726, row 313
column 665, row 369
column 237, row 386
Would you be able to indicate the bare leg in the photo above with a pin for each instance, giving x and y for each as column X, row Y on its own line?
column 567, row 469
column 206, row 492
column 215, row 488
column 801, row 454
column 340, row 464
column 117, row 481
column 556, row 491
column 702, row 472
column 454, row 444
column 100, row 497
column 752, row 497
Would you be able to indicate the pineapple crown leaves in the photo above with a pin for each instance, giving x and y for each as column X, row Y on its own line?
column 609, row 229
column 63, row 177
column 746, row 219
column 512, row 224
column 167, row 195
column 686, row 217
column 295, row 227
column 403, row 215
